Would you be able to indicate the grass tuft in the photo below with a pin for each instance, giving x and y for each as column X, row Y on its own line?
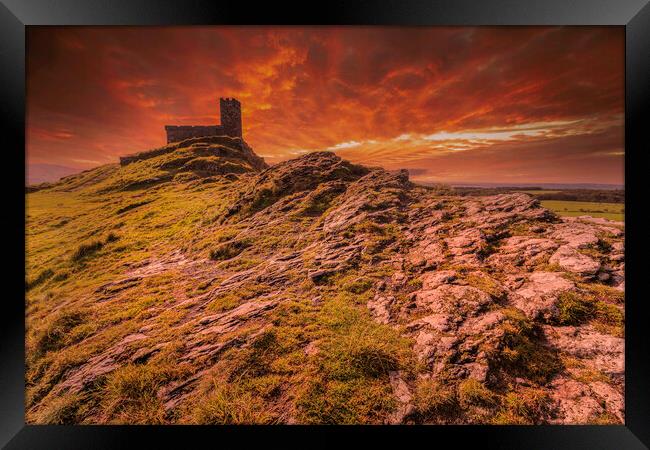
column 592, row 305
column 42, row 277
column 521, row 352
column 573, row 308
column 472, row 392
column 112, row 237
column 435, row 401
column 526, row 406
column 87, row 250
column 130, row 394
column 357, row 286
column 229, row 250
column 230, row 405
column 54, row 335
column 349, row 382
column 62, row 410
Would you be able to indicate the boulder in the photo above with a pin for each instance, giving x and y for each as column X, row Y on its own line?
column 570, row 259
column 537, row 296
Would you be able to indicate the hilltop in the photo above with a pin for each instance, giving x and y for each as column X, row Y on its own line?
column 195, row 284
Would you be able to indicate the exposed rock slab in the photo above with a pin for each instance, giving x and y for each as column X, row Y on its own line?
column 570, row 259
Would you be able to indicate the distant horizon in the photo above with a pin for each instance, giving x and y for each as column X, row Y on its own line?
column 504, row 104
column 541, row 185
column 528, row 184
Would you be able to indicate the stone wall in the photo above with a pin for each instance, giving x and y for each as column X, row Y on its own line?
column 177, row 133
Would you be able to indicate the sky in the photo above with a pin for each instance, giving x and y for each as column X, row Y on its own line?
column 450, row 104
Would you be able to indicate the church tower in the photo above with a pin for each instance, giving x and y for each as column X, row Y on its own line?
column 231, row 116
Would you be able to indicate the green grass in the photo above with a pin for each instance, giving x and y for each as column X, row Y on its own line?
column 87, row 250
column 524, row 407
column 597, row 306
column 573, row 308
column 434, row 401
column 348, row 379
column 521, row 353
column 130, row 394
column 57, row 331
column 84, row 234
column 471, row 401
column 63, row 410
column 472, row 392
column 40, row 279
column 231, row 405
column 611, row 211
column 228, row 250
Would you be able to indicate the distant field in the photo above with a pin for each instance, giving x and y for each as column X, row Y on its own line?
column 611, row 211
column 603, row 196
column 540, row 192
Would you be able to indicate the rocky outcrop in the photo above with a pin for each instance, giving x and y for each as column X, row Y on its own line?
column 480, row 261
column 379, row 196
column 295, row 176
column 571, row 260
column 539, row 292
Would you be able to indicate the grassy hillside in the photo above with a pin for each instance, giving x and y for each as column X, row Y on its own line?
column 611, row 211
column 87, row 238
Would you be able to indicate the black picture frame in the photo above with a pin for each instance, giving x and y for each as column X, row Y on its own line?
column 15, row 15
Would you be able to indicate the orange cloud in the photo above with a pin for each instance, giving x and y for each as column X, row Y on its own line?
column 529, row 104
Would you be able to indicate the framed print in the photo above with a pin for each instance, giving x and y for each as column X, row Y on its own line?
column 412, row 221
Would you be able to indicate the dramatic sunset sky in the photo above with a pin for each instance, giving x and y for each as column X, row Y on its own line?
column 458, row 104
